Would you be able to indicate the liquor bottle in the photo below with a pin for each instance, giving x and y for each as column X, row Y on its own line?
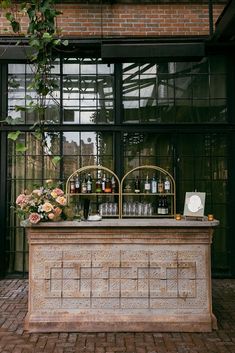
column 137, row 185
column 98, row 184
column 103, row 182
column 166, row 209
column 72, row 186
column 89, row 183
column 84, row 186
column 160, row 186
column 77, row 184
column 167, row 185
column 153, row 185
column 108, row 186
column 113, row 183
column 147, row 185
column 159, row 207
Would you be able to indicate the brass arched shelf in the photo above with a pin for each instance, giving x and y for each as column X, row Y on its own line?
column 94, row 169
column 151, row 210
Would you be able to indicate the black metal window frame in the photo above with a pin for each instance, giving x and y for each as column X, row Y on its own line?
column 118, row 129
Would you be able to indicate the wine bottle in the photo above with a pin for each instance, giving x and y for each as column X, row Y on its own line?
column 108, row 186
column 153, row 185
column 137, row 185
column 160, row 187
column 113, row 182
column 77, row 184
column 166, row 209
column 89, row 183
column 159, row 207
column 84, row 186
column 72, row 186
column 98, row 184
column 103, row 182
column 167, row 185
column 147, row 185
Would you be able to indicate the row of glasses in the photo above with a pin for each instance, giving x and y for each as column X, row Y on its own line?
column 137, row 209
column 108, row 209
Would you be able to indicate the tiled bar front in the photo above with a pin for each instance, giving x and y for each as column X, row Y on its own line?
column 120, row 275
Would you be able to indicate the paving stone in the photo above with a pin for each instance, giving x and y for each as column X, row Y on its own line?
column 13, row 338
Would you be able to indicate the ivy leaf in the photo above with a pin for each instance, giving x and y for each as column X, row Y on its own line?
column 15, row 26
column 35, row 43
column 9, row 16
column 46, row 35
column 9, row 120
column 65, row 42
column 19, row 108
column 14, row 135
column 56, row 160
column 20, row 147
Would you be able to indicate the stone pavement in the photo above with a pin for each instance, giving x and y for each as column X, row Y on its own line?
column 13, row 339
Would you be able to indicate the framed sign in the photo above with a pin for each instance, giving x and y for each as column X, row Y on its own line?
column 194, row 204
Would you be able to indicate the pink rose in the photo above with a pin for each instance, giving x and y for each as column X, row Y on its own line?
column 21, row 199
column 61, row 200
column 47, row 207
column 58, row 211
column 34, row 218
column 51, row 216
column 57, row 192
column 38, row 192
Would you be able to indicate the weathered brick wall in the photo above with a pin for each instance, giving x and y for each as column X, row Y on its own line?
column 130, row 20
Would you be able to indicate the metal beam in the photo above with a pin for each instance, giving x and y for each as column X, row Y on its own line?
column 225, row 25
column 118, row 52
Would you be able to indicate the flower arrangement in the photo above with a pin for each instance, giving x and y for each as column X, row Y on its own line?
column 42, row 204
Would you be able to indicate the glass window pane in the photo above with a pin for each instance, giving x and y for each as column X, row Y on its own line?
column 217, row 86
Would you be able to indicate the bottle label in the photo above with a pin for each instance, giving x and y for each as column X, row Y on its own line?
column 147, row 187
column 160, row 187
column 89, row 186
column 72, row 188
column 84, row 189
column 167, row 186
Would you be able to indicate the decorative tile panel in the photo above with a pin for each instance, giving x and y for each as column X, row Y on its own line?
column 119, row 274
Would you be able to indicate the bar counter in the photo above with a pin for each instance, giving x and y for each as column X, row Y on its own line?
column 120, row 275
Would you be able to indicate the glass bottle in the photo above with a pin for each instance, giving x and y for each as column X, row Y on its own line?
column 89, row 183
column 103, row 182
column 72, row 186
column 113, row 182
column 108, row 186
column 159, row 207
column 137, row 185
column 153, row 185
column 84, row 186
column 98, row 184
column 160, row 186
column 167, row 185
column 166, row 209
column 77, row 184
column 147, row 185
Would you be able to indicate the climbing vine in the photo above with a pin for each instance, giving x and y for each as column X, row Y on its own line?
column 45, row 43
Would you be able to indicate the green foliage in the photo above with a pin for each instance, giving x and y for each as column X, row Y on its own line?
column 44, row 41
column 14, row 135
column 20, row 147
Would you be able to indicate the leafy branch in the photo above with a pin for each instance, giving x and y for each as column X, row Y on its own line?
column 44, row 41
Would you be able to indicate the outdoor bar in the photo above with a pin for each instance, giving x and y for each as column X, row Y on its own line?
column 120, row 275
